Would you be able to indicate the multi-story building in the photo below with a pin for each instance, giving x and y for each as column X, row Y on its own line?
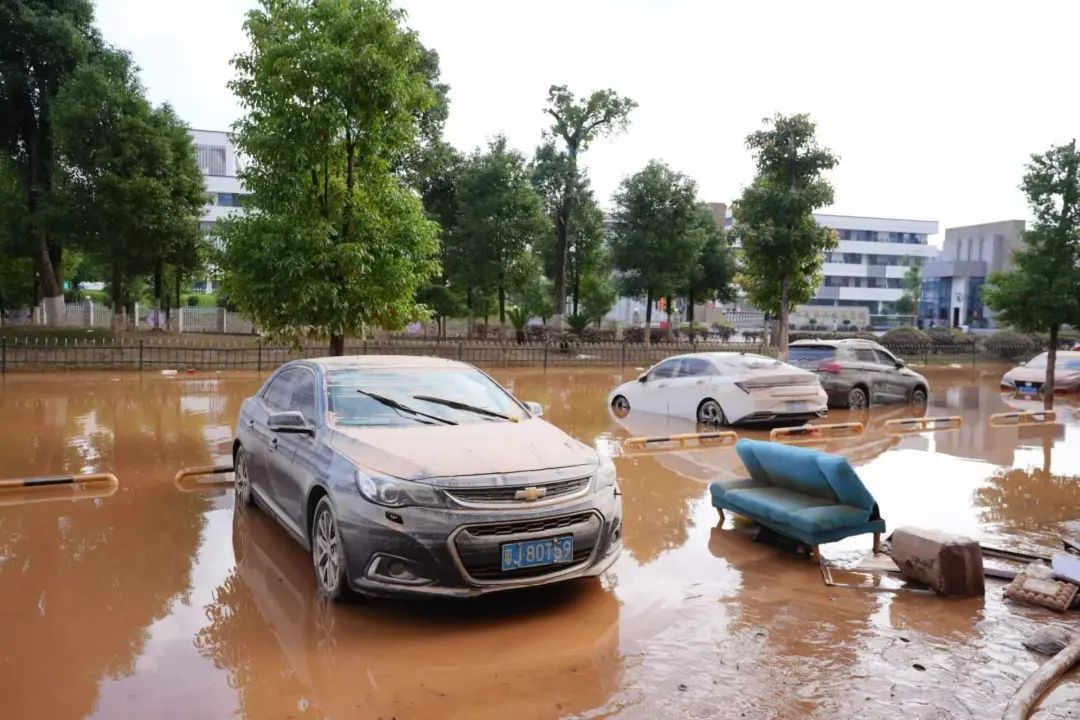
column 867, row 267
column 224, row 195
column 952, row 283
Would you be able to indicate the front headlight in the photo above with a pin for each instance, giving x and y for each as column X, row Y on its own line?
column 605, row 474
column 394, row 492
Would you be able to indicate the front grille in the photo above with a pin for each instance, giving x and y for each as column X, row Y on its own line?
column 529, row 526
column 494, row 571
column 505, row 493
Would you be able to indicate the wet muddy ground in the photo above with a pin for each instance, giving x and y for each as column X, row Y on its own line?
column 156, row 603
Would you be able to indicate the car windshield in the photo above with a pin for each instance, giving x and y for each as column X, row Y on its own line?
column 810, row 354
column 1062, row 363
column 460, row 386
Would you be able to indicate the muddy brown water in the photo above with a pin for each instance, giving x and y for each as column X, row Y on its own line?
column 157, row 603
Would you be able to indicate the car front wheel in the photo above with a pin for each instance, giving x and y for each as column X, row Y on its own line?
column 242, row 478
column 918, row 396
column 710, row 413
column 620, row 406
column 327, row 553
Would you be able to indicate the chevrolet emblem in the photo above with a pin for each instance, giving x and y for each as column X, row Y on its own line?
column 530, row 493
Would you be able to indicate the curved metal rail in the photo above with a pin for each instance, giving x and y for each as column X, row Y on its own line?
column 189, row 472
column 699, row 440
column 1029, row 417
column 52, row 480
column 816, row 433
column 912, row 426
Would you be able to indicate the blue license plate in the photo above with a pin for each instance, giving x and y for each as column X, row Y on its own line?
column 537, row 553
column 1025, row 389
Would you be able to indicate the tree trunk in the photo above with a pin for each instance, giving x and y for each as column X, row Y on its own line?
column 690, row 314
column 38, row 184
column 179, row 280
column 669, row 305
column 561, row 239
column 337, row 344
column 577, row 291
column 782, row 331
column 117, row 298
column 648, row 317
column 159, row 289
column 1051, row 360
column 502, row 305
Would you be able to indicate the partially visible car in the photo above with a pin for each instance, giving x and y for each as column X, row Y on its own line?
column 411, row 475
column 1028, row 378
column 859, row 373
column 721, row 388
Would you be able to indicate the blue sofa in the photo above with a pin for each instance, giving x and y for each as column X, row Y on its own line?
column 808, row 495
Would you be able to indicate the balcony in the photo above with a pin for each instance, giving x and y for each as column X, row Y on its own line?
column 954, row 268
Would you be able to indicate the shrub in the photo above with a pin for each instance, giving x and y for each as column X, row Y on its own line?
column 192, row 301
column 905, row 336
column 1009, row 345
column 577, row 322
column 637, row 335
column 723, row 329
column 949, row 336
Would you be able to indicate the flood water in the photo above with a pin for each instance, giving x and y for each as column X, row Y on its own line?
column 158, row 603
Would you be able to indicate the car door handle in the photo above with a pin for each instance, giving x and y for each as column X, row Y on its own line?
column 251, row 424
column 273, row 443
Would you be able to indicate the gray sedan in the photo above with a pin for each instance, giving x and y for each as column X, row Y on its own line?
column 408, row 475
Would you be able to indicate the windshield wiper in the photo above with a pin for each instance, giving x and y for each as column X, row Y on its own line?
column 391, row 403
column 463, row 406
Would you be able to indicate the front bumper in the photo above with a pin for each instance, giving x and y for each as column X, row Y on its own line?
column 456, row 553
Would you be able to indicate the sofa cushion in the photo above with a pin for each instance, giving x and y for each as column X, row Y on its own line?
column 816, row 520
column 773, row 503
column 785, row 466
column 720, row 488
column 844, row 481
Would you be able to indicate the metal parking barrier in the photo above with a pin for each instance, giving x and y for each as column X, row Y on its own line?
column 52, row 480
column 190, row 472
column 1030, row 417
column 815, row 433
column 700, row 440
column 912, row 426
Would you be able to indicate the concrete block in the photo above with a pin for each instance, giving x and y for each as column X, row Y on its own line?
column 950, row 564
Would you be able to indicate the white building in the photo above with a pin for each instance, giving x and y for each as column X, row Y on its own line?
column 868, row 265
column 218, row 162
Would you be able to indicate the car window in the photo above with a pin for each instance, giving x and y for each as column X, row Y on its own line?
column 303, row 395
column 666, row 369
column 885, row 358
column 810, row 354
column 865, row 355
column 695, row 367
column 278, row 393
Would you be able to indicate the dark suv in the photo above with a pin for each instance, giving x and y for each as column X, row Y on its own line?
column 858, row 373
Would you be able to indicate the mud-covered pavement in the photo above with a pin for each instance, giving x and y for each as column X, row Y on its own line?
column 157, row 603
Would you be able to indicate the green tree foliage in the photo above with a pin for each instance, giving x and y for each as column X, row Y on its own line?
column 905, row 305
column 131, row 188
column 500, row 216
column 782, row 245
column 1042, row 293
column 42, row 42
column 16, row 270
column 335, row 93
column 913, row 285
column 598, row 296
column 656, row 233
column 532, row 293
column 577, row 123
column 712, row 274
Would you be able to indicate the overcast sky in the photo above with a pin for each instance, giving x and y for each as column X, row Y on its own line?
column 933, row 107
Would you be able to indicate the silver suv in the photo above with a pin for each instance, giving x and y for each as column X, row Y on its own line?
column 858, row 373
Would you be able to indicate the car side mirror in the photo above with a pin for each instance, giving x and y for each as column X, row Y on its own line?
column 1023, row 362
column 290, row 421
column 535, row 409
column 643, row 378
column 900, row 363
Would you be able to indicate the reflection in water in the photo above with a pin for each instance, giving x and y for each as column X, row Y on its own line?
column 156, row 603
column 505, row 656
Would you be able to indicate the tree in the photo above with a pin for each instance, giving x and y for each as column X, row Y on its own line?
column 782, row 245
column 499, row 217
column 598, row 296
column 913, row 285
column 334, row 241
column 656, row 234
column 905, row 305
column 577, row 123
column 711, row 276
column 41, row 45
column 1042, row 293
column 131, row 188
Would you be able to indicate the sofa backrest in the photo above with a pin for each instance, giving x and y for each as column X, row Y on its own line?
column 805, row 471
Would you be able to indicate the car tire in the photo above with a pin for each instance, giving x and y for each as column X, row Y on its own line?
column 620, row 406
column 710, row 413
column 242, row 479
column 327, row 553
column 857, row 399
column 918, row 396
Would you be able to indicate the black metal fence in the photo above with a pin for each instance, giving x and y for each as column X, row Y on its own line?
column 38, row 353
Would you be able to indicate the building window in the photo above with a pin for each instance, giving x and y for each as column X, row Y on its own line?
column 228, row 200
column 853, row 258
column 211, row 159
column 894, row 283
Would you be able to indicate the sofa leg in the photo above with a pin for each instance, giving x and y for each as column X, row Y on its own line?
column 877, row 543
column 815, row 553
column 720, row 512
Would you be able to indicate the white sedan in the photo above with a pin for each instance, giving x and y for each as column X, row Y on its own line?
column 721, row 388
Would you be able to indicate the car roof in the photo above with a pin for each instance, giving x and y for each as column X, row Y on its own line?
column 364, row 362
column 715, row 355
column 844, row 342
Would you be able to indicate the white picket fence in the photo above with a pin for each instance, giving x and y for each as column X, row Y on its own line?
column 95, row 315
